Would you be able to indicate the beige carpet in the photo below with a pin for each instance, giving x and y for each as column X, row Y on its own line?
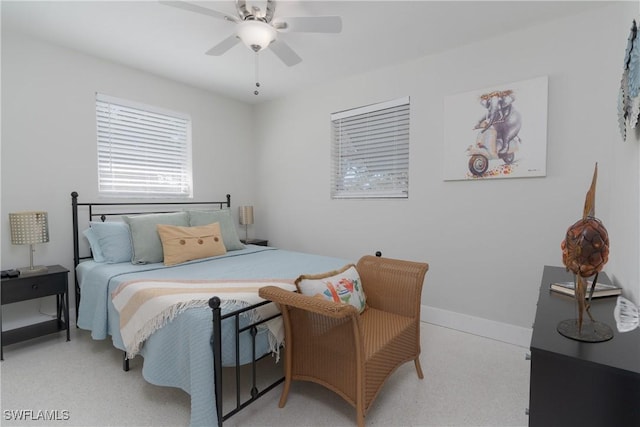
column 469, row 381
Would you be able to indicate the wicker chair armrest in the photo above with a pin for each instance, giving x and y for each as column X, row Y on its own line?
column 304, row 302
column 392, row 285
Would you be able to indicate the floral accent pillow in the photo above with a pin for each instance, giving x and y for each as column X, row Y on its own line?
column 343, row 286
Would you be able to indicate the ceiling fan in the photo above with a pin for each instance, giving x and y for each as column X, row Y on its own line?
column 258, row 29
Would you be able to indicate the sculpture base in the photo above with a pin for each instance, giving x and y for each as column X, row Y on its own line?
column 591, row 331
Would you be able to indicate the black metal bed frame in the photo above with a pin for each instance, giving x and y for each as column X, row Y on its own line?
column 100, row 210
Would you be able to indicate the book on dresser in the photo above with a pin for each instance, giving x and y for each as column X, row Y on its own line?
column 601, row 290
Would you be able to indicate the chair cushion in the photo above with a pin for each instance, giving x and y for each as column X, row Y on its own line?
column 342, row 286
column 182, row 244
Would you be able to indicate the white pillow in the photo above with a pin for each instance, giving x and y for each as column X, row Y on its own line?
column 343, row 286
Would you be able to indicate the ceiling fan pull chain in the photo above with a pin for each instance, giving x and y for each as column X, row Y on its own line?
column 255, row 92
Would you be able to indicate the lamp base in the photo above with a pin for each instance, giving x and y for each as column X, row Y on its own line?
column 592, row 331
column 32, row 271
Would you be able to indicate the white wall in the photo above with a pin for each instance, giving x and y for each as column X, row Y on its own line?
column 49, row 137
column 486, row 242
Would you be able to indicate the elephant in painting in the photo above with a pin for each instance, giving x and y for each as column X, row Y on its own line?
column 503, row 116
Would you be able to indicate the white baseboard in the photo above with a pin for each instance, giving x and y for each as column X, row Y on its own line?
column 505, row 332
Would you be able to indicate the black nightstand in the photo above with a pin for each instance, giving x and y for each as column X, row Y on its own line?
column 259, row 242
column 53, row 282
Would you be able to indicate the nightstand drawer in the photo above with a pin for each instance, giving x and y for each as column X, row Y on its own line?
column 26, row 288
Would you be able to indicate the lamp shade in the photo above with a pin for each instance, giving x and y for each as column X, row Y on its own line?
column 246, row 215
column 28, row 228
column 256, row 35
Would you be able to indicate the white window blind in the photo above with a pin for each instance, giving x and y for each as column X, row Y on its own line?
column 370, row 151
column 143, row 151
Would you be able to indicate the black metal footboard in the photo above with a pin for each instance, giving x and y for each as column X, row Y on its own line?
column 216, row 345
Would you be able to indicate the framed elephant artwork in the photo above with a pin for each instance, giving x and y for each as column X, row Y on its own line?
column 497, row 132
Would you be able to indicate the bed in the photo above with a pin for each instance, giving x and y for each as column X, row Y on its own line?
column 189, row 350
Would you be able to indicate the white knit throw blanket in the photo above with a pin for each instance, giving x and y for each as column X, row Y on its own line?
column 147, row 305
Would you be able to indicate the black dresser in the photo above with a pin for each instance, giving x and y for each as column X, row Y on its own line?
column 576, row 383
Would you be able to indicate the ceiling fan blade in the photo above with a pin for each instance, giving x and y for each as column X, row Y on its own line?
column 285, row 53
column 310, row 24
column 223, row 46
column 199, row 9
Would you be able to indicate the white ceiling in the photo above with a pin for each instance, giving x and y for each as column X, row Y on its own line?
column 171, row 42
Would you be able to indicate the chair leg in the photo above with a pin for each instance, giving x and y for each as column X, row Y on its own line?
column 418, row 367
column 360, row 418
column 285, row 392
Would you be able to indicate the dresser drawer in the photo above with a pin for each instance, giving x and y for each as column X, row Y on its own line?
column 26, row 288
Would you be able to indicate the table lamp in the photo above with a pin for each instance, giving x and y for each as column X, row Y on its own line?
column 29, row 228
column 246, row 219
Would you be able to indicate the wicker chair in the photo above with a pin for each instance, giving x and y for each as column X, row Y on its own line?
column 349, row 353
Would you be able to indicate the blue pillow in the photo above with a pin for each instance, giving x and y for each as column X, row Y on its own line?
column 114, row 239
column 147, row 247
column 227, row 226
column 94, row 244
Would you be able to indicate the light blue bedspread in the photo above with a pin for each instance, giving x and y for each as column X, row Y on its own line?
column 179, row 354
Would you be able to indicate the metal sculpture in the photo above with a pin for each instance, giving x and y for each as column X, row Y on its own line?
column 585, row 251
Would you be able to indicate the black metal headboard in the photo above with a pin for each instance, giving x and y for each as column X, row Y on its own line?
column 104, row 210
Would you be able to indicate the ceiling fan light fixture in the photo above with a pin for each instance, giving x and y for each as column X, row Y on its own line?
column 256, row 35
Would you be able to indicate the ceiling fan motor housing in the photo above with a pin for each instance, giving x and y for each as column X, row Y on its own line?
column 256, row 13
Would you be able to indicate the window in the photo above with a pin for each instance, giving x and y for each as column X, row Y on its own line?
column 370, row 151
column 143, row 151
